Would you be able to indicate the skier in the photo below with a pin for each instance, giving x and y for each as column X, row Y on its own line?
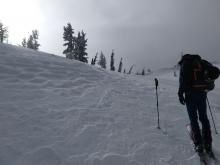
column 193, row 87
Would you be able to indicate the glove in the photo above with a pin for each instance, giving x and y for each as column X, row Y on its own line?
column 181, row 98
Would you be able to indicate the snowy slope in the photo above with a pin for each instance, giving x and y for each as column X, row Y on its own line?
column 54, row 111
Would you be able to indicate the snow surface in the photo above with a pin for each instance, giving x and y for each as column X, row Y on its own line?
column 55, row 111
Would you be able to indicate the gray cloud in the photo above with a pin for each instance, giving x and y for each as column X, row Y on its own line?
column 149, row 33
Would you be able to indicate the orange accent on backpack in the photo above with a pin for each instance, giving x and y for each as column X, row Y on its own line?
column 199, row 85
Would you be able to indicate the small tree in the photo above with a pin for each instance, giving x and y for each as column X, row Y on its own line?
column 130, row 70
column 143, row 72
column 112, row 68
column 24, row 42
column 94, row 60
column 35, row 35
column 102, row 60
column 32, row 42
column 3, row 33
column 120, row 66
column 124, row 71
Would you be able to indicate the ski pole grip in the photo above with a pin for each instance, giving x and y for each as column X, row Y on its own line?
column 156, row 82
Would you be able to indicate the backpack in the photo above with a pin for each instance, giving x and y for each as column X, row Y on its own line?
column 211, row 73
column 201, row 73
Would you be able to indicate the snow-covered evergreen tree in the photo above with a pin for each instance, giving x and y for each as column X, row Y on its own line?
column 3, row 32
column 112, row 67
column 120, row 66
column 69, row 40
column 102, row 60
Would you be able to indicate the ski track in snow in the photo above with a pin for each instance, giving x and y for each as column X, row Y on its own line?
column 54, row 111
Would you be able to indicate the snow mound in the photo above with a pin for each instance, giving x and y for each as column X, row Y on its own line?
column 55, row 111
column 42, row 156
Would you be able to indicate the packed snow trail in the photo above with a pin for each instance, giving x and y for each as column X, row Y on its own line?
column 55, row 111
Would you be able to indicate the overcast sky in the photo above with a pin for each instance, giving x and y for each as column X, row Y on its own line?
column 148, row 33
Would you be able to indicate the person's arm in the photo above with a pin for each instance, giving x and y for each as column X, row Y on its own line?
column 184, row 81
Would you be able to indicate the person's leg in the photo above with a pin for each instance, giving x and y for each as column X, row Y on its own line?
column 193, row 117
column 206, row 130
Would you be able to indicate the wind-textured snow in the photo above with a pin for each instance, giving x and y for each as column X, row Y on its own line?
column 55, row 111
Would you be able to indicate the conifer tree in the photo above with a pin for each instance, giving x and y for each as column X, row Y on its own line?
column 112, row 67
column 32, row 42
column 3, row 32
column 102, row 60
column 120, row 66
column 130, row 70
column 143, row 72
column 69, row 40
column 24, row 42
column 94, row 59
column 80, row 47
column 76, row 46
column 35, row 35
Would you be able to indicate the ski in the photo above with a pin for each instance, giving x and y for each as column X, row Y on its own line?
column 203, row 159
column 203, row 162
column 212, row 157
column 202, row 156
column 189, row 131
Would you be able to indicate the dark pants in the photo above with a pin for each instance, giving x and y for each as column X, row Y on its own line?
column 196, row 105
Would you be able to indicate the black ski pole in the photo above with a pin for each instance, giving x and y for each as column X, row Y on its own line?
column 216, row 132
column 158, row 114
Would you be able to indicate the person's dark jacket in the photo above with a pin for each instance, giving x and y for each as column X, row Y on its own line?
column 187, row 82
column 186, row 72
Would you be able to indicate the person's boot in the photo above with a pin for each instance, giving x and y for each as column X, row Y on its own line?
column 208, row 149
column 199, row 149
